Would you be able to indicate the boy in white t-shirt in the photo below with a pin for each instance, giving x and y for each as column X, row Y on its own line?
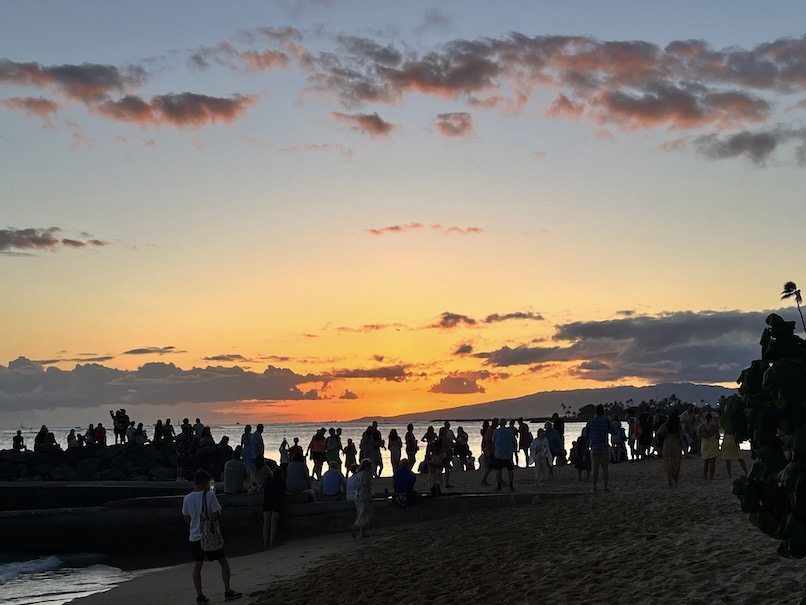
column 192, row 506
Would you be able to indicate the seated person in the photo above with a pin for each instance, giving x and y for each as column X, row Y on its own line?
column 298, row 481
column 235, row 473
column 403, row 483
column 333, row 485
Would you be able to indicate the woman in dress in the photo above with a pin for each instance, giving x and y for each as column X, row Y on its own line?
column 395, row 449
column 670, row 439
column 731, row 451
column 708, row 435
column 363, row 498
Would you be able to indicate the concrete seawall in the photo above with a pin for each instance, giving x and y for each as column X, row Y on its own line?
column 154, row 523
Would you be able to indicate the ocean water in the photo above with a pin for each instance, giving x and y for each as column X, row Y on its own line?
column 55, row 579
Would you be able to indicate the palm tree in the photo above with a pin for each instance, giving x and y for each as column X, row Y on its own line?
column 790, row 289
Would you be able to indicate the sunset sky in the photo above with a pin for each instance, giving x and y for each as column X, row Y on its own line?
column 280, row 211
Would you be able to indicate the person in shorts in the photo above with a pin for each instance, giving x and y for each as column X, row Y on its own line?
column 192, row 505
column 504, row 444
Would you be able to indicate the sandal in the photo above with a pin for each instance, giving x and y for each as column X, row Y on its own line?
column 231, row 595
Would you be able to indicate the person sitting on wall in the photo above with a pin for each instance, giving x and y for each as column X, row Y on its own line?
column 403, row 483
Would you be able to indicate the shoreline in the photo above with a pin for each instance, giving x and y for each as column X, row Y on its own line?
column 643, row 541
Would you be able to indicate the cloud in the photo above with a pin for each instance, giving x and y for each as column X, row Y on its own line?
column 496, row 317
column 448, row 321
column 683, row 346
column 41, row 239
column 231, row 357
column 395, row 373
column 348, row 394
column 754, row 146
column 456, row 385
column 459, row 230
column 35, row 107
column 465, row 349
column 366, row 328
column 456, row 124
column 396, row 228
column 25, row 385
column 184, row 110
column 151, row 351
column 86, row 82
column 371, row 124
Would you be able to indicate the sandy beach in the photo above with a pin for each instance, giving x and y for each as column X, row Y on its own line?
column 641, row 543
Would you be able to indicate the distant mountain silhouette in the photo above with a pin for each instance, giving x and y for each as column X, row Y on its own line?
column 544, row 404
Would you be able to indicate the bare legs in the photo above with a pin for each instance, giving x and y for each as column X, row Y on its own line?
column 270, row 521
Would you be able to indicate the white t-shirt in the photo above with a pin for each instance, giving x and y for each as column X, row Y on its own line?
column 352, row 484
column 192, row 507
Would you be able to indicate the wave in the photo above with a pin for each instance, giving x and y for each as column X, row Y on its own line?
column 12, row 569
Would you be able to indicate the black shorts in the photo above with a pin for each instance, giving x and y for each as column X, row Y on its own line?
column 500, row 463
column 200, row 555
column 319, row 456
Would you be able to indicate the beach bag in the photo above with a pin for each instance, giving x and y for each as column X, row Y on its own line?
column 211, row 538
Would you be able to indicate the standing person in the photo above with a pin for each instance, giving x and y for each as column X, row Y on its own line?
column 184, row 444
column 617, row 443
column 350, row 457
column 317, row 450
column 461, row 447
column 541, row 456
column 363, row 498
column 192, row 505
column 504, row 449
column 168, row 431
column 159, row 434
column 100, row 434
column 246, row 448
column 730, row 451
column 670, row 434
column 273, row 503
column 583, row 454
column 296, row 449
column 89, row 436
column 488, row 448
column 377, row 445
column 333, row 448
column 411, row 447
column 395, row 446
column 645, row 434
column 524, row 440
column 285, row 456
column 687, row 423
column 631, row 423
column 258, row 447
column 437, row 463
column 708, row 435
column 198, row 428
column 555, row 445
column 599, row 431
column 514, row 430
column 447, row 449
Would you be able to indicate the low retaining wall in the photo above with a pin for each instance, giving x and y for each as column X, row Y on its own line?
column 155, row 524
